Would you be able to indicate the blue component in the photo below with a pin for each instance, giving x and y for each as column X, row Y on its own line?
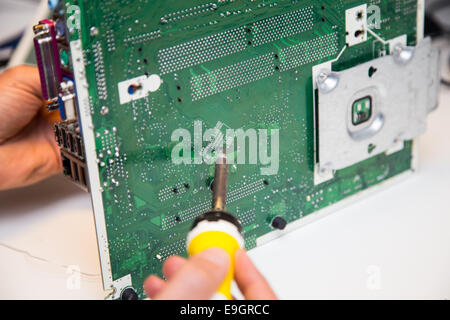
column 60, row 28
column 52, row 4
column 62, row 110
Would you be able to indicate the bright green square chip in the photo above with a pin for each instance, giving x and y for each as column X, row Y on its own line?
column 361, row 110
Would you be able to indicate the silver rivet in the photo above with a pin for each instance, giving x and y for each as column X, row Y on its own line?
column 402, row 55
column 104, row 110
column 94, row 31
column 327, row 82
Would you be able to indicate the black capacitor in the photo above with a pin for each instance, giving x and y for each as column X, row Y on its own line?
column 129, row 294
column 278, row 223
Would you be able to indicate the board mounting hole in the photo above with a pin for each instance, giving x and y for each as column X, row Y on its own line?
column 359, row 33
column 359, row 15
column 372, row 71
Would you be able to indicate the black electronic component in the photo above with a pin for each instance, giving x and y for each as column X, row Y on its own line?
column 278, row 223
column 75, row 169
column 69, row 138
column 129, row 294
column 70, row 141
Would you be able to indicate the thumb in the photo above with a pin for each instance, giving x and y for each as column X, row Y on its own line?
column 21, row 99
column 199, row 278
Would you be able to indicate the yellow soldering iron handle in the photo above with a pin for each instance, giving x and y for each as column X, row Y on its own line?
column 222, row 234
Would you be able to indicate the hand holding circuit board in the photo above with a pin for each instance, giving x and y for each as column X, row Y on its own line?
column 28, row 151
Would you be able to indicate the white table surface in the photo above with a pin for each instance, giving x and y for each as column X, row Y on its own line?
column 393, row 244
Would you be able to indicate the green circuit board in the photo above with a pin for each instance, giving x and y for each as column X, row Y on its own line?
column 229, row 64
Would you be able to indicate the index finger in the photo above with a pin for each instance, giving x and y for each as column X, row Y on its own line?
column 198, row 278
column 249, row 280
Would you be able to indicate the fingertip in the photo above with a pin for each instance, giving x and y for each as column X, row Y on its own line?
column 153, row 285
column 199, row 277
column 250, row 281
column 241, row 258
column 172, row 265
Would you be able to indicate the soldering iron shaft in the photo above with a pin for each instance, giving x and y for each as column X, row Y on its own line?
column 220, row 183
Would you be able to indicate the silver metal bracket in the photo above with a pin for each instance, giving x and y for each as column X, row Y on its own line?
column 368, row 109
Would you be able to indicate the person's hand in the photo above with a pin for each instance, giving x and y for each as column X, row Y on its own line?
column 28, row 151
column 199, row 277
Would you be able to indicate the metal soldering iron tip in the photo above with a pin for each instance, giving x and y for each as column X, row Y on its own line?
column 220, row 183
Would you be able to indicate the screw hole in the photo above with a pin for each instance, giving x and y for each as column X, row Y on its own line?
column 359, row 15
column 359, row 33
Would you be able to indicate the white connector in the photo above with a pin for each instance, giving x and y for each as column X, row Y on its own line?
column 138, row 88
column 356, row 25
